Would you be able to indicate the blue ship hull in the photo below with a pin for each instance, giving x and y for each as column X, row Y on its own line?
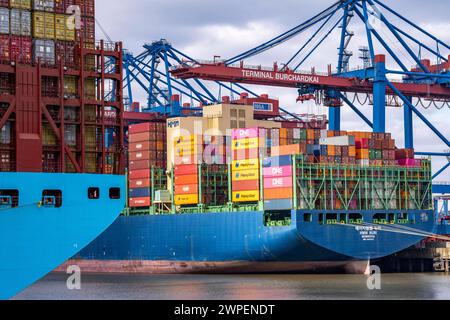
column 36, row 238
column 240, row 242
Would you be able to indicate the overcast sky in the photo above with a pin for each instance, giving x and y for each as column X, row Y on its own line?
column 204, row 28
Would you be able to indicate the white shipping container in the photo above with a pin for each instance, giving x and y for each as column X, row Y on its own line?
column 338, row 141
column 44, row 50
column 5, row 134
column 70, row 135
column 162, row 196
column 20, row 22
column 44, row 5
column 4, row 21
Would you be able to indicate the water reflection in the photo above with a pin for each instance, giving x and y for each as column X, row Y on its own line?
column 242, row 287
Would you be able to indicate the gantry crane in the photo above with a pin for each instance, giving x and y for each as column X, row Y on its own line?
column 427, row 82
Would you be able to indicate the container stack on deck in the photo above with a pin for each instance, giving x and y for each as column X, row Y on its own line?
column 80, row 129
column 146, row 152
column 246, row 164
column 278, row 183
column 275, row 168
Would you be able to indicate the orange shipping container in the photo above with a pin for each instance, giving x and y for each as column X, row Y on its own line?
column 362, row 154
column 331, row 150
column 246, row 154
column 185, row 180
column 281, row 193
column 246, row 185
column 191, row 169
column 352, row 151
column 285, row 150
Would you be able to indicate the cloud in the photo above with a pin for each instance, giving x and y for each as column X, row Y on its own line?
column 203, row 29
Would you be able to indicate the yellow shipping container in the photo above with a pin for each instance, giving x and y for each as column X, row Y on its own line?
column 60, row 27
column 43, row 25
column 70, row 86
column 49, row 25
column 188, row 140
column 39, row 24
column 244, row 144
column 90, row 138
column 185, row 199
column 89, row 89
column 188, row 150
column 90, row 113
column 70, row 28
column 240, row 165
column 48, row 136
column 21, row 4
column 246, row 196
column 245, row 175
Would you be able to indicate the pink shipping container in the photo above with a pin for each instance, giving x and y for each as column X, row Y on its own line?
column 4, row 3
column 273, row 183
column 248, row 133
column 277, row 172
column 410, row 163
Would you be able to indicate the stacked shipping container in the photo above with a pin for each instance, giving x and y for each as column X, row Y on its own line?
column 246, row 164
column 278, row 183
column 45, row 30
column 79, row 132
column 186, row 184
column 146, row 151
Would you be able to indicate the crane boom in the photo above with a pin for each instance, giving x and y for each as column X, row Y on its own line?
column 292, row 79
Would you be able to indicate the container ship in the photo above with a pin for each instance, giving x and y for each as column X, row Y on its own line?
column 235, row 189
column 62, row 177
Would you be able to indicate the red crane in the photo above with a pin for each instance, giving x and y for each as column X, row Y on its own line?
column 292, row 79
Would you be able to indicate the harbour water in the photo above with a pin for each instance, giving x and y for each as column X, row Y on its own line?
column 421, row 286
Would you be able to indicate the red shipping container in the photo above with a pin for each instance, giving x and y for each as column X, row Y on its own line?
column 362, row 143
column 246, row 185
column 186, row 169
column 21, row 49
column 404, row 154
column 140, row 202
column 141, row 155
column 4, row 3
column 87, row 31
column 139, row 146
column 191, row 159
column 141, row 137
column 141, row 164
column 5, row 53
column 139, row 183
column 139, row 174
column 62, row 5
column 142, row 128
column 65, row 52
column 186, row 189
